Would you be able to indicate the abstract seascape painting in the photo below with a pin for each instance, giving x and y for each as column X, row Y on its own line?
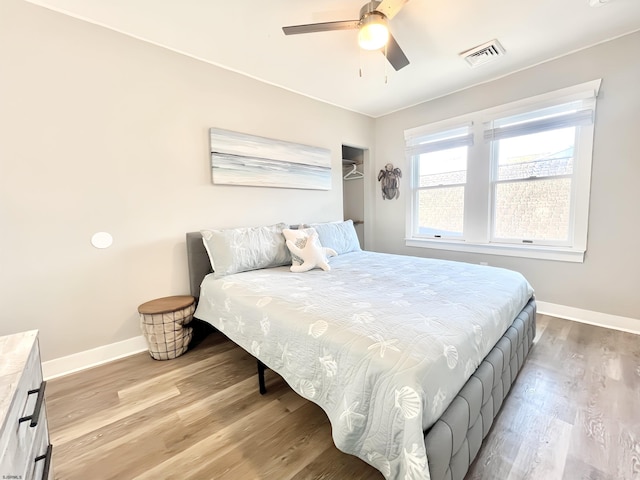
column 241, row 159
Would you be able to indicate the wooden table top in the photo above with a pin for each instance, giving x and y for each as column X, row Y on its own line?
column 166, row 304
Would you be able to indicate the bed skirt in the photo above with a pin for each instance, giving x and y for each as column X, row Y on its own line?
column 454, row 440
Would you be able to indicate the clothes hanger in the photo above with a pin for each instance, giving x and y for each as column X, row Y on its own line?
column 353, row 174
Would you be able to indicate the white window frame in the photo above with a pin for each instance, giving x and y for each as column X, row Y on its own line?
column 476, row 236
column 439, row 127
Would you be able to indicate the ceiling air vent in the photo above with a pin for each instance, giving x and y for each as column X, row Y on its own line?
column 484, row 53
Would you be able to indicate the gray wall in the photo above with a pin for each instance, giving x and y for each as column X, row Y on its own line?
column 607, row 281
column 99, row 131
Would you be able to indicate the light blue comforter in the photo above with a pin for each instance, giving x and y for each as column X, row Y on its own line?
column 383, row 343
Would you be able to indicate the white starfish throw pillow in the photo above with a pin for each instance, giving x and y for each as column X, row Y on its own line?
column 307, row 249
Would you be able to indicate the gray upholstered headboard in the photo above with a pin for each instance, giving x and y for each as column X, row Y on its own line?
column 198, row 262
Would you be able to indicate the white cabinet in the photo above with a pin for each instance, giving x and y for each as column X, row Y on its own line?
column 25, row 450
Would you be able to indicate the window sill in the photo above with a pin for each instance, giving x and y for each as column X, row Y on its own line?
column 562, row 254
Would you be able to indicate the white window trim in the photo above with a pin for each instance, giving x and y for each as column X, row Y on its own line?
column 583, row 175
column 542, row 252
column 410, row 151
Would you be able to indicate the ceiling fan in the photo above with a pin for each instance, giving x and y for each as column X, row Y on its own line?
column 373, row 30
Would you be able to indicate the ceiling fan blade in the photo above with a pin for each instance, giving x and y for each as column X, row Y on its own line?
column 321, row 27
column 391, row 7
column 395, row 55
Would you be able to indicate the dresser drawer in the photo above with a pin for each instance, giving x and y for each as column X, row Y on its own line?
column 37, row 460
column 24, row 425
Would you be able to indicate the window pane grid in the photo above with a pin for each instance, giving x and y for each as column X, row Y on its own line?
column 440, row 211
column 535, row 211
column 440, row 179
column 532, row 187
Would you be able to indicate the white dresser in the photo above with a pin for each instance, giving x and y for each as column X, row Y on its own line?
column 25, row 451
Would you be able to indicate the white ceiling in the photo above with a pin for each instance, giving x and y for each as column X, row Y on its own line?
column 246, row 36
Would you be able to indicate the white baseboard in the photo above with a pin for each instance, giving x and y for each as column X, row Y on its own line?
column 107, row 353
column 625, row 324
column 91, row 358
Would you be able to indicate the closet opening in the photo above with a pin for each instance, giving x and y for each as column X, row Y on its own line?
column 353, row 172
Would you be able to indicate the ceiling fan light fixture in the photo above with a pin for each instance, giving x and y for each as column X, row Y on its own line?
column 374, row 33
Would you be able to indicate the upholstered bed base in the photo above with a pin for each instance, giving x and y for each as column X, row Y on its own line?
column 454, row 440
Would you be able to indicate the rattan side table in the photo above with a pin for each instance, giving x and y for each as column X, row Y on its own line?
column 164, row 321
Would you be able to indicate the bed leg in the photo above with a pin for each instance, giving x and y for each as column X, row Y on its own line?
column 261, row 368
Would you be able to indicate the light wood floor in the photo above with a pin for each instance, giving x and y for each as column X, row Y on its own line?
column 573, row 413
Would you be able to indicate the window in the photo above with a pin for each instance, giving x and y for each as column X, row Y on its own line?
column 512, row 180
column 440, row 175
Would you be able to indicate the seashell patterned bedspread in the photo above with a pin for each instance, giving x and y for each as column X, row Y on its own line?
column 383, row 343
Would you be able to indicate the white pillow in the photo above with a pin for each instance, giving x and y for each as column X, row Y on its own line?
column 340, row 236
column 306, row 251
column 241, row 249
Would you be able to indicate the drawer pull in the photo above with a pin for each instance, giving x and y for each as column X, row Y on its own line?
column 47, row 461
column 36, row 411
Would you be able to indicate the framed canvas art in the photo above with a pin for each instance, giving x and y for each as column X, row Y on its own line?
column 242, row 159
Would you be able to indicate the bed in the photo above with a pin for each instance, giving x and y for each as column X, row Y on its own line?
column 410, row 377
